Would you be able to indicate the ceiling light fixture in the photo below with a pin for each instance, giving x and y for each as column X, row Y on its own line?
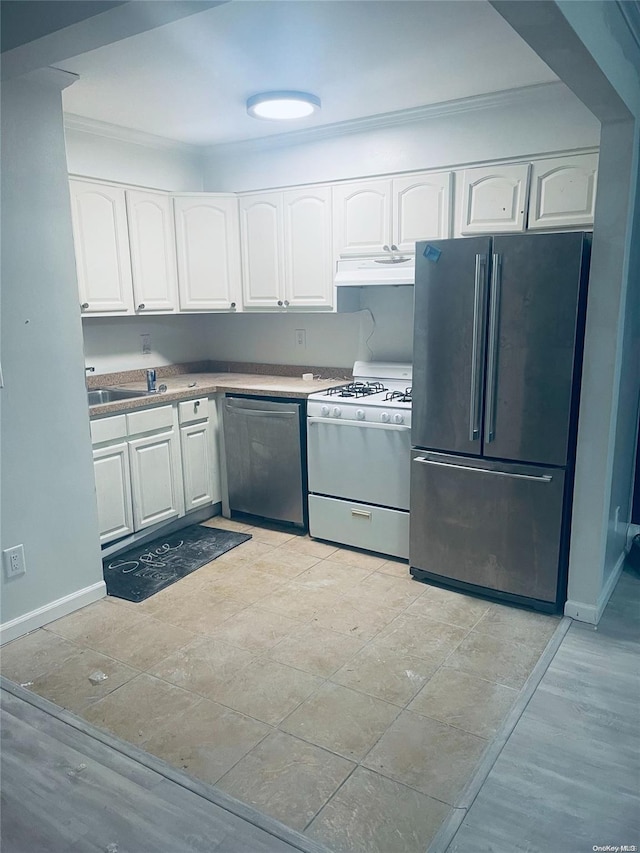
column 282, row 105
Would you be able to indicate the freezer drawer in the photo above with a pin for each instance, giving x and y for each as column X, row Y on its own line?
column 493, row 525
column 360, row 525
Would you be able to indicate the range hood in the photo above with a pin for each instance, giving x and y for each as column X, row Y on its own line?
column 359, row 272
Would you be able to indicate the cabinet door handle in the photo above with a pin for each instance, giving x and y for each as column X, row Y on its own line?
column 233, row 304
column 141, row 306
column 84, row 306
column 197, row 403
column 286, row 303
column 280, row 302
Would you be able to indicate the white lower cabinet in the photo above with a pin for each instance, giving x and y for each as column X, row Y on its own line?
column 196, row 465
column 153, row 465
column 197, row 444
column 113, row 490
column 156, row 483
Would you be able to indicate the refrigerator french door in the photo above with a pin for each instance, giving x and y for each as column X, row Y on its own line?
column 498, row 327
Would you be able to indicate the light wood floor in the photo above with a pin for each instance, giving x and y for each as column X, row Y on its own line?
column 568, row 778
column 65, row 791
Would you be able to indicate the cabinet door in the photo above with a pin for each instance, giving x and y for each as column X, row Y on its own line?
column 494, row 199
column 153, row 256
column 422, row 209
column 155, row 479
column 195, row 443
column 113, row 490
column 563, row 191
column 307, row 248
column 262, row 250
column 208, row 247
column 101, row 240
column 361, row 217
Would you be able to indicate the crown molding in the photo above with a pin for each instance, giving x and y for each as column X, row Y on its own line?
column 506, row 98
column 126, row 134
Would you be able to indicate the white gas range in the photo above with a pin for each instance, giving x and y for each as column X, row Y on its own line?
column 359, row 459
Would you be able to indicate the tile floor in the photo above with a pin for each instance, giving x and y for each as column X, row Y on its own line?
column 320, row 684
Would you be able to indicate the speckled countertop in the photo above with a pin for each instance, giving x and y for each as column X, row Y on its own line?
column 185, row 382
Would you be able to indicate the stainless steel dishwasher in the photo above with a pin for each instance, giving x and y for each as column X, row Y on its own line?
column 265, row 454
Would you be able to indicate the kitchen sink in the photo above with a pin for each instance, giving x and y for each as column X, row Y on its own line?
column 110, row 395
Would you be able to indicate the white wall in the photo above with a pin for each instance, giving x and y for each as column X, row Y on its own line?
column 545, row 119
column 48, row 491
column 333, row 340
column 165, row 168
column 382, row 333
column 112, row 344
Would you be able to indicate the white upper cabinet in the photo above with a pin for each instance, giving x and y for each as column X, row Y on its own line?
column 308, row 259
column 494, row 199
column 421, row 209
column 208, row 247
column 394, row 212
column 262, row 250
column 563, row 191
column 101, row 240
column 362, row 217
column 286, row 249
column 153, row 257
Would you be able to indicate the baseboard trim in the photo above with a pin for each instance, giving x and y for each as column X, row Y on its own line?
column 54, row 610
column 592, row 613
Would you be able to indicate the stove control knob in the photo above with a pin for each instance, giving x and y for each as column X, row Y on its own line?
column 398, row 419
column 324, row 411
column 360, row 414
column 337, row 411
column 384, row 417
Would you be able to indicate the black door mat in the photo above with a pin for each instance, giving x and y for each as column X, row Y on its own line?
column 144, row 570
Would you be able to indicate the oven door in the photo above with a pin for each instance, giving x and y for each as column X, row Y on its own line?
column 359, row 461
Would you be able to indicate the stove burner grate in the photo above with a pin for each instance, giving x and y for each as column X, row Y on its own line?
column 356, row 389
column 400, row 396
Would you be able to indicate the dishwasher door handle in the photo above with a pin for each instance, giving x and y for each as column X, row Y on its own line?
column 254, row 412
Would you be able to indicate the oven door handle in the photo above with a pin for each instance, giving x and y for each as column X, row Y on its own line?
column 359, row 424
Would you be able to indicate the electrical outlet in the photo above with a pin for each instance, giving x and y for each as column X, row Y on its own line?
column 301, row 338
column 146, row 344
column 14, row 561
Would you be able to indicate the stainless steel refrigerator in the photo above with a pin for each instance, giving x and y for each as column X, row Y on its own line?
column 497, row 359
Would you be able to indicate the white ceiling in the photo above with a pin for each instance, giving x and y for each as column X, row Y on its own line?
column 189, row 80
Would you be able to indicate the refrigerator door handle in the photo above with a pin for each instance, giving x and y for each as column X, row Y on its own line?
column 544, row 478
column 492, row 359
column 477, row 351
